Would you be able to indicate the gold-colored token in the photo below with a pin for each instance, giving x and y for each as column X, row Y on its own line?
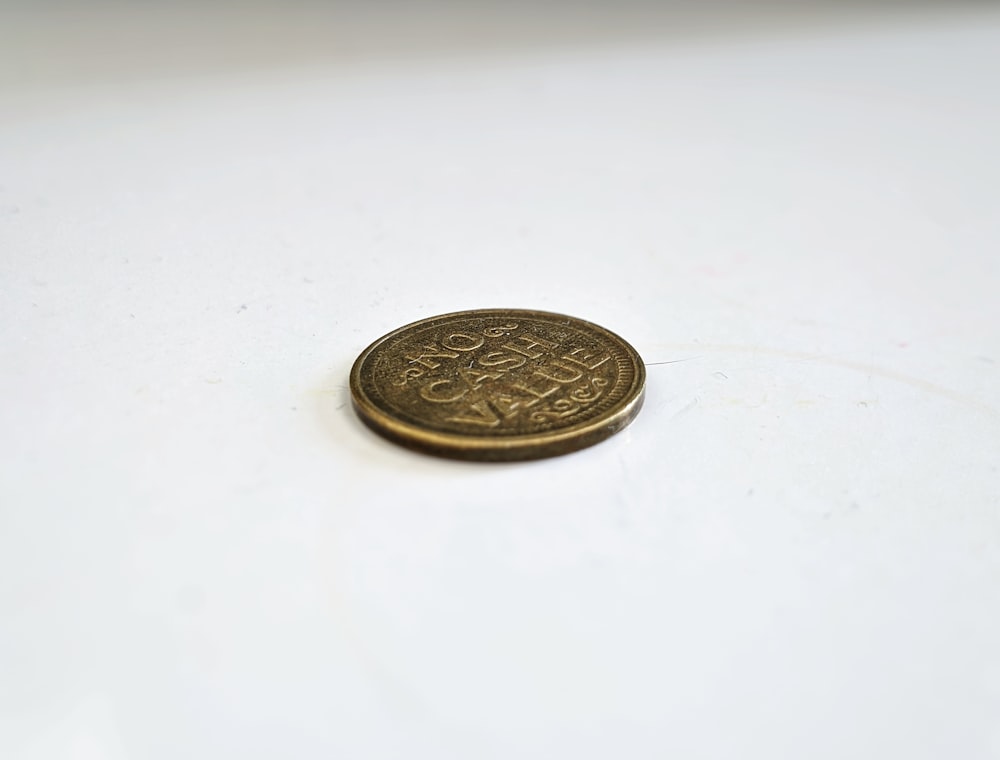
column 498, row 384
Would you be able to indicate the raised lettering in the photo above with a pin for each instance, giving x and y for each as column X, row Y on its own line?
column 579, row 398
column 499, row 332
column 473, row 377
column 584, row 359
column 483, row 415
column 431, row 351
column 462, row 342
column 507, row 405
column 428, row 393
column 538, row 393
column 560, row 373
column 408, row 373
column 528, row 345
column 499, row 358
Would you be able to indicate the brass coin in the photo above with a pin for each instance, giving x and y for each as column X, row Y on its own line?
column 498, row 384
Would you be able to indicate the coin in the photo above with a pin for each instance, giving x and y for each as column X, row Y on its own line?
column 498, row 384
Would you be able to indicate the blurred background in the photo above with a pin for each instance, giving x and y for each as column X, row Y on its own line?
column 75, row 42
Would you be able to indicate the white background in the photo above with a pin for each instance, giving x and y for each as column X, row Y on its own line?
column 793, row 552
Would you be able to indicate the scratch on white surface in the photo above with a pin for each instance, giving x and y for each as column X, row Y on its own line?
column 863, row 367
column 686, row 408
column 672, row 361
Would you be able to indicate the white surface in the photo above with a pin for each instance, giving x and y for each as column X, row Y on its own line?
column 793, row 552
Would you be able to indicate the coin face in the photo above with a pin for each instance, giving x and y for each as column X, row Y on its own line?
column 498, row 384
